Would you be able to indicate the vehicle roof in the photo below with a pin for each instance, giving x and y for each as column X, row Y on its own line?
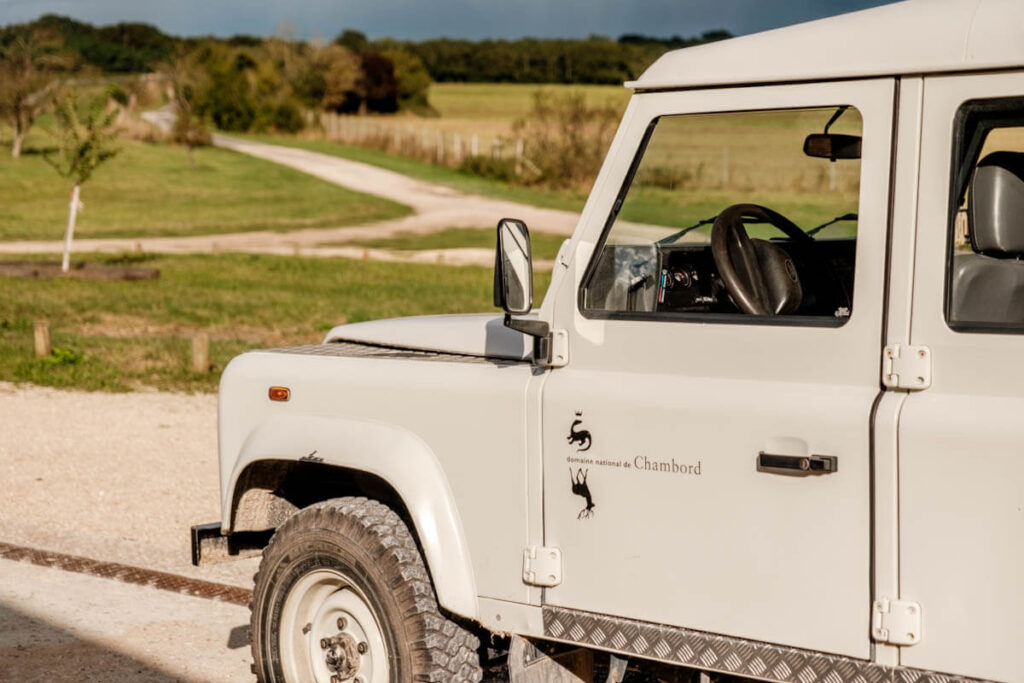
column 912, row 37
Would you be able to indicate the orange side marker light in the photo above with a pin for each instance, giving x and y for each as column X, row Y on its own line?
column 279, row 393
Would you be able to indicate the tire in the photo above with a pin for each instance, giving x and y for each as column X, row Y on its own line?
column 343, row 591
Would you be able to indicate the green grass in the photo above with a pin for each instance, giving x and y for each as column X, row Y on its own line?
column 505, row 102
column 455, row 179
column 151, row 190
column 544, row 246
column 118, row 336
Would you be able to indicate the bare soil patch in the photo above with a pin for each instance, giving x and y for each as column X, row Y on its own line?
column 48, row 270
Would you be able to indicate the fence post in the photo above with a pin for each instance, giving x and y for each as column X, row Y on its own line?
column 201, row 353
column 519, row 156
column 456, row 149
column 42, row 339
column 440, row 148
column 474, row 145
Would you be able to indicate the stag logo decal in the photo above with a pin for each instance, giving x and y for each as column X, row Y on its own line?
column 580, row 488
column 581, row 437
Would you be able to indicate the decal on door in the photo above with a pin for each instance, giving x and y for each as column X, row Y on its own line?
column 581, row 437
column 580, row 488
column 580, row 440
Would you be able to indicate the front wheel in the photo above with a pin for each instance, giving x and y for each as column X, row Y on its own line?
column 342, row 594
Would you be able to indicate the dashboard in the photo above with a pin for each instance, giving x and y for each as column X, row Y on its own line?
column 687, row 279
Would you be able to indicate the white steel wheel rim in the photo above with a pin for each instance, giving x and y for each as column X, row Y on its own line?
column 310, row 614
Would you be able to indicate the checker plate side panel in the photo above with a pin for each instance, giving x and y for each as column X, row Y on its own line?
column 723, row 653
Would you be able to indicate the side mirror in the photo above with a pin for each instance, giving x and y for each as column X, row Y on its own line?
column 513, row 268
column 832, row 146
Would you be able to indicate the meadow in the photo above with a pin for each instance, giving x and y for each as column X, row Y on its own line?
column 121, row 336
column 151, row 190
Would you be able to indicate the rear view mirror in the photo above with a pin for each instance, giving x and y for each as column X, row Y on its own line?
column 832, row 146
column 513, row 268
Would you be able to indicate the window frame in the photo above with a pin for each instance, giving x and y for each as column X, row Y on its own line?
column 819, row 321
column 959, row 160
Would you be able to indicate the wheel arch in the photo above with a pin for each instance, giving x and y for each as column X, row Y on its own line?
column 290, row 462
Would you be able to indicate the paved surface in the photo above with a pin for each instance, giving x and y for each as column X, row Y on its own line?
column 59, row 626
column 114, row 477
column 436, row 208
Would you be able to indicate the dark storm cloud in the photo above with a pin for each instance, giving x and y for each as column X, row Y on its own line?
column 417, row 19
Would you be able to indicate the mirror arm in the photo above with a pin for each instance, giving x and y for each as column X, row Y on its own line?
column 541, row 333
column 533, row 328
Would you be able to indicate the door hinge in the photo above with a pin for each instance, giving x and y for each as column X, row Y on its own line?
column 907, row 367
column 554, row 349
column 542, row 566
column 896, row 621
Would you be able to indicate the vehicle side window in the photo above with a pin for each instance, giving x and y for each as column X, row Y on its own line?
column 985, row 275
column 735, row 216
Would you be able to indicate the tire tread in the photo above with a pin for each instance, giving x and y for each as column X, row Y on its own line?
column 442, row 650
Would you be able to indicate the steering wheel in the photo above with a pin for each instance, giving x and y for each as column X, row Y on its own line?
column 760, row 276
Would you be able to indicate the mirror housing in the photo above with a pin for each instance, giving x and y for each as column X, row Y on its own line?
column 513, row 268
column 832, row 146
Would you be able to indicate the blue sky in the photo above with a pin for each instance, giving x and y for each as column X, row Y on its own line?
column 419, row 19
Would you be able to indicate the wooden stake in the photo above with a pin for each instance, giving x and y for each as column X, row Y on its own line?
column 201, row 353
column 42, row 338
column 65, row 263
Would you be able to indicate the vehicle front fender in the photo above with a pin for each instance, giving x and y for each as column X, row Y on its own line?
column 395, row 455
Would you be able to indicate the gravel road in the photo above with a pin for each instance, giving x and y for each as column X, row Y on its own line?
column 114, row 477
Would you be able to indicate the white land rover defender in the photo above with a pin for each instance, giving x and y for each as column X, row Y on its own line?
column 768, row 422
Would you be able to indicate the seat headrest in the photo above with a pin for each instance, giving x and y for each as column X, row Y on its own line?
column 996, row 205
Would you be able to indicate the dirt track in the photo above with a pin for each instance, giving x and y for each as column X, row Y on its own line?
column 436, row 208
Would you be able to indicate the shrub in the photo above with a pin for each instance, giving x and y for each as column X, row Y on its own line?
column 489, row 167
column 565, row 139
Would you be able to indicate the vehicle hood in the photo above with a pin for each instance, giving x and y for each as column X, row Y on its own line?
column 481, row 334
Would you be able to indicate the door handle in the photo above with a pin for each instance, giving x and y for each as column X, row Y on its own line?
column 798, row 465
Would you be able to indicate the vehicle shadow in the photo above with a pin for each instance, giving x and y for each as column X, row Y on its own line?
column 33, row 650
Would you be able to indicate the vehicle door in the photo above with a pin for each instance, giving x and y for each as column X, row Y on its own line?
column 681, row 477
column 961, row 460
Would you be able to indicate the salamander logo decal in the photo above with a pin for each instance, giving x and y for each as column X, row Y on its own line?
column 580, row 488
column 581, row 437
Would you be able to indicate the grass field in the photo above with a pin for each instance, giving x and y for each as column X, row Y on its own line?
column 544, row 246
column 153, row 190
column 503, row 103
column 119, row 336
column 449, row 177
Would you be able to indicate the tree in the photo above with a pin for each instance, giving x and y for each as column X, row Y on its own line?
column 187, row 80
column 340, row 71
column 379, row 83
column 84, row 143
column 413, row 79
column 353, row 40
column 27, row 80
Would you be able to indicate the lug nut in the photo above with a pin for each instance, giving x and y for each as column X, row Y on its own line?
column 324, row 644
column 342, row 623
column 362, row 647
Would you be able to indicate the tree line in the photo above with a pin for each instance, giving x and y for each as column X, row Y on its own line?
column 248, row 83
column 138, row 47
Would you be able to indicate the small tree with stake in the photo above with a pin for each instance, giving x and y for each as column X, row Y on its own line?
column 84, row 142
